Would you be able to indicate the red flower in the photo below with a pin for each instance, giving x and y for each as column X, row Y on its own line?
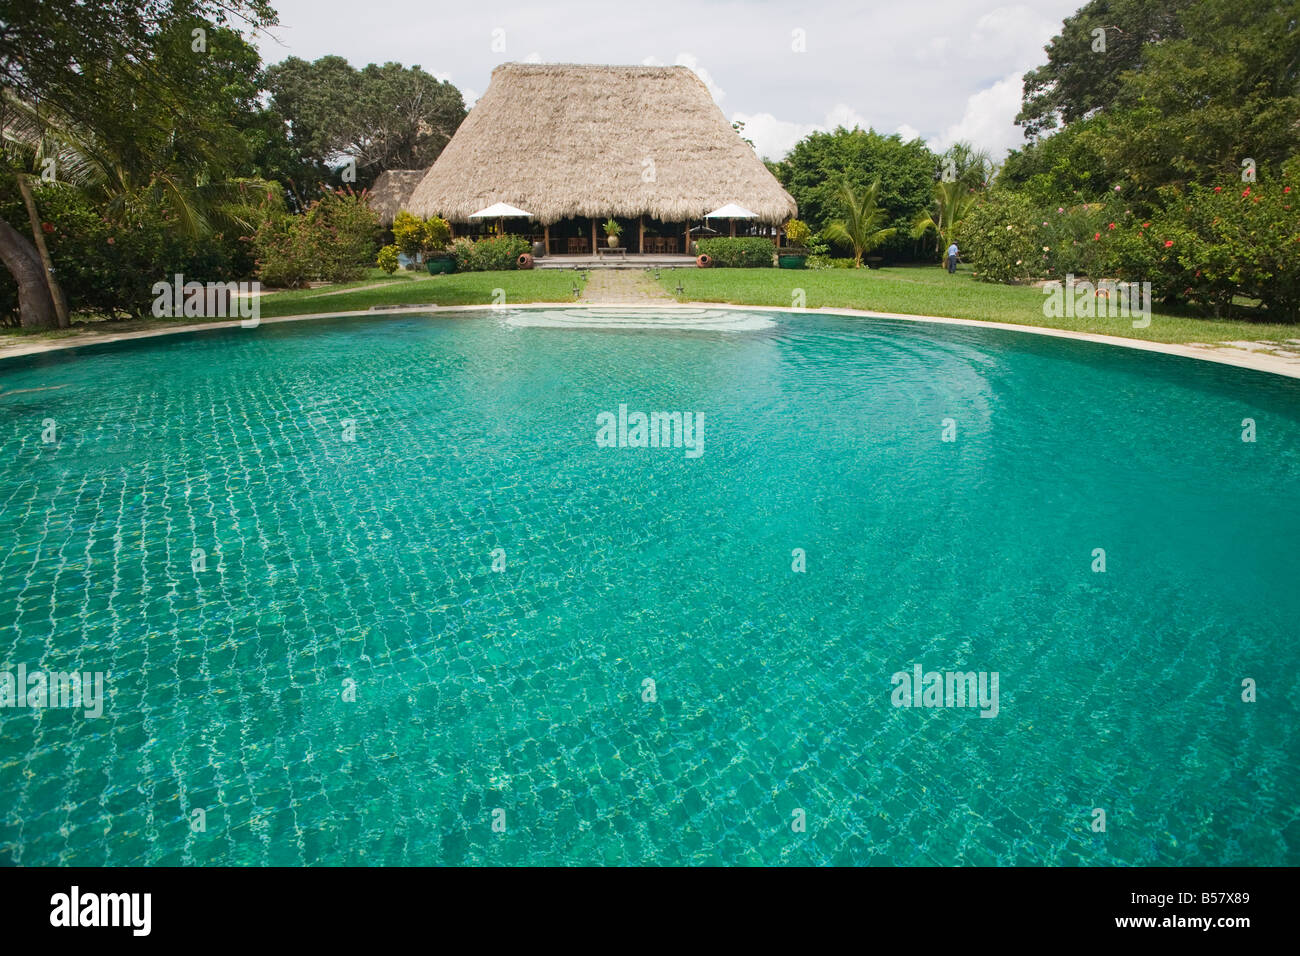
column 48, row 227
column 1112, row 226
column 1246, row 192
column 1145, row 224
column 110, row 240
column 1218, row 189
column 1096, row 236
column 1286, row 189
column 1168, row 243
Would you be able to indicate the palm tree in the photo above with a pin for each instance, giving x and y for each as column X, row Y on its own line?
column 968, row 165
column 951, row 203
column 860, row 228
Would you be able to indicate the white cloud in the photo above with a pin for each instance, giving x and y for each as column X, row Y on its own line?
column 945, row 59
column 773, row 137
column 692, row 61
column 908, row 133
column 989, row 119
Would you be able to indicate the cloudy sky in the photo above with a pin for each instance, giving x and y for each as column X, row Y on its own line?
column 941, row 69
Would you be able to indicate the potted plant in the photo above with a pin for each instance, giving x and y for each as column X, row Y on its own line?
column 795, row 255
column 612, row 231
column 437, row 232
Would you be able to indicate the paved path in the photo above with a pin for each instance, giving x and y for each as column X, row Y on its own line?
column 622, row 287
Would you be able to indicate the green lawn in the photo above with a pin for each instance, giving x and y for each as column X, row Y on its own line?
column 462, row 288
column 375, row 289
column 929, row 290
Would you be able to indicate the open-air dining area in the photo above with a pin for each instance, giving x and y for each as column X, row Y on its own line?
column 660, row 166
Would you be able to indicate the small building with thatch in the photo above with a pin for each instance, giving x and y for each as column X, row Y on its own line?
column 392, row 190
column 575, row 145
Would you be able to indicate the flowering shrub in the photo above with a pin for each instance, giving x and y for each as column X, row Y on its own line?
column 1072, row 240
column 1000, row 238
column 1208, row 245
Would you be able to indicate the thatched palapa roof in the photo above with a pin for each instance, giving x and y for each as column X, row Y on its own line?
column 392, row 192
column 563, row 140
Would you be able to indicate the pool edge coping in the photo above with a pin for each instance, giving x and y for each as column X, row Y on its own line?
column 1254, row 361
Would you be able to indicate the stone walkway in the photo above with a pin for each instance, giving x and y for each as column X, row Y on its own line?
column 622, row 287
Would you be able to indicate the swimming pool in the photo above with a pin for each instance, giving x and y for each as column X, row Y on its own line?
column 373, row 591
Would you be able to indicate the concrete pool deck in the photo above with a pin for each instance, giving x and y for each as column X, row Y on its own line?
column 1257, row 356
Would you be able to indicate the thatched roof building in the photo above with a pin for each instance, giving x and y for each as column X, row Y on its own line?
column 568, row 141
column 392, row 192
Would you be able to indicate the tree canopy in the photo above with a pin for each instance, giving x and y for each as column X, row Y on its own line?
column 383, row 117
column 815, row 170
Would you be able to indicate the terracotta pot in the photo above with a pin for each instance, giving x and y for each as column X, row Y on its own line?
column 613, row 241
column 703, row 261
column 525, row 261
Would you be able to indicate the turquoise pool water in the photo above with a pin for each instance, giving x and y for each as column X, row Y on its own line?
column 370, row 561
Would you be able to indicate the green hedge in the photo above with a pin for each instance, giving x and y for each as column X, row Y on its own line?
column 743, row 253
column 490, row 255
column 108, row 267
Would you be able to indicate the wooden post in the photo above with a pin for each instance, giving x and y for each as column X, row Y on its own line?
column 56, row 293
column 640, row 238
column 687, row 248
column 593, row 235
column 546, row 238
column 733, row 229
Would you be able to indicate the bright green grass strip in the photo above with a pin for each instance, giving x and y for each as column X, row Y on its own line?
column 929, row 290
column 467, row 288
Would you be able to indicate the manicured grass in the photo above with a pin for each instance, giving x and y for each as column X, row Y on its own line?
column 929, row 290
column 462, row 288
column 376, row 289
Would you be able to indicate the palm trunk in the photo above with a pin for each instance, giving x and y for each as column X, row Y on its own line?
column 35, row 307
column 47, row 266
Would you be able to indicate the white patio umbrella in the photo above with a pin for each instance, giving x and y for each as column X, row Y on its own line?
column 733, row 212
column 501, row 211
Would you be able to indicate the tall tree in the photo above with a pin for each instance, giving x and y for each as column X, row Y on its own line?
column 1084, row 68
column 382, row 117
column 105, row 70
column 819, row 164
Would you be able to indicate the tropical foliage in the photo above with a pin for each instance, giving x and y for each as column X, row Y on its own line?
column 862, row 227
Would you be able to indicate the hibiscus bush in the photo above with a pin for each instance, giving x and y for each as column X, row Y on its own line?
column 1208, row 245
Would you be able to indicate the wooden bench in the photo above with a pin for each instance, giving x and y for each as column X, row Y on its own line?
column 620, row 251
